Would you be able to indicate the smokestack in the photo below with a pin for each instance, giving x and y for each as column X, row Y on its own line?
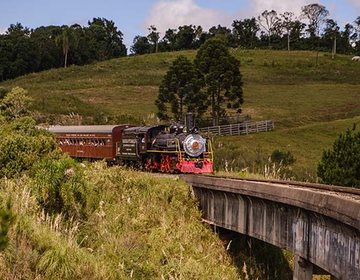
column 190, row 121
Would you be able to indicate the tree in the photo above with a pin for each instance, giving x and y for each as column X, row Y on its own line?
column 221, row 74
column 49, row 54
column 296, row 34
column 104, row 40
column 286, row 23
column 65, row 39
column 221, row 32
column 18, row 55
column 316, row 14
column 356, row 36
column 346, row 38
column 331, row 33
column 153, row 37
column 245, row 32
column 186, row 37
column 180, row 89
column 341, row 164
column 141, row 45
column 16, row 103
column 268, row 20
column 169, row 39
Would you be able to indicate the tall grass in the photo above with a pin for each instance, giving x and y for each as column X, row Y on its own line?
column 136, row 227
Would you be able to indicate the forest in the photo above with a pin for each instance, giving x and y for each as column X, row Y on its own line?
column 24, row 50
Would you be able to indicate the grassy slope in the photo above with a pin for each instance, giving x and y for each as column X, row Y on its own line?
column 310, row 104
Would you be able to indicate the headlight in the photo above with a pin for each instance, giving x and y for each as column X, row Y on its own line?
column 194, row 145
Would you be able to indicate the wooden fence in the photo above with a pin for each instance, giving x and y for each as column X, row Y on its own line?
column 245, row 127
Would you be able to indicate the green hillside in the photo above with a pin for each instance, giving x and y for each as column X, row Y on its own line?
column 310, row 101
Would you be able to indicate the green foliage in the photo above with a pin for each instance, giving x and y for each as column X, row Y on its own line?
column 283, row 158
column 24, row 51
column 341, row 164
column 59, row 186
column 180, row 89
column 7, row 218
column 223, row 80
column 231, row 157
column 137, row 227
column 66, row 39
column 257, row 259
column 22, row 145
column 16, row 103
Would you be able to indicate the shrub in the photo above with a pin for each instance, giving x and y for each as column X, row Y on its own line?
column 59, row 186
column 341, row 164
column 21, row 145
column 6, row 220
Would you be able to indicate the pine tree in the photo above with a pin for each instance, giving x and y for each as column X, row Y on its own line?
column 341, row 164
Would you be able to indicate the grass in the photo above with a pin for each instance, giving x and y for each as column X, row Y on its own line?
column 137, row 227
column 310, row 104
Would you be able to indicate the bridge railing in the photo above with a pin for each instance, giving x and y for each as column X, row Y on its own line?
column 245, row 127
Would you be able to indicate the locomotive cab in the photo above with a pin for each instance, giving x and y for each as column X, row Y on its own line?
column 136, row 141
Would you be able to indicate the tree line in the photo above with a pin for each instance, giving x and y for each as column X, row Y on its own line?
column 24, row 50
column 269, row 30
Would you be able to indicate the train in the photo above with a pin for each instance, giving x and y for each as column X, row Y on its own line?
column 173, row 149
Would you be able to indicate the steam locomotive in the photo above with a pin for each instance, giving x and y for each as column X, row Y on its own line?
column 175, row 148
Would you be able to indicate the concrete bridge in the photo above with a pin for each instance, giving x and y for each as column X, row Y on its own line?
column 319, row 225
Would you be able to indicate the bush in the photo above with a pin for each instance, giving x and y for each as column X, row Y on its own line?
column 22, row 145
column 59, row 186
column 6, row 220
column 341, row 164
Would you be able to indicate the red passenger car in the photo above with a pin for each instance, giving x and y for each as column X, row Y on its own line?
column 90, row 141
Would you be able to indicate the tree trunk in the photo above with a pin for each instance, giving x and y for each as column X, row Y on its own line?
column 65, row 60
column 181, row 110
column 215, row 121
column 333, row 53
column 288, row 41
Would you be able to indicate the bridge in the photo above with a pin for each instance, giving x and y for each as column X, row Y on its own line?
column 320, row 224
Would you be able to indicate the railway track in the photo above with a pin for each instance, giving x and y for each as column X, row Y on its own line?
column 307, row 185
column 351, row 193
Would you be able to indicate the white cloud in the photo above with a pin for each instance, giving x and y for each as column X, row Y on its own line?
column 3, row 30
column 167, row 14
column 294, row 6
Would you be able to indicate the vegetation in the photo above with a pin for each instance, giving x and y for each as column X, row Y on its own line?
column 213, row 79
column 222, row 78
column 310, row 105
column 63, row 220
column 24, row 51
column 137, row 227
column 180, row 90
column 340, row 165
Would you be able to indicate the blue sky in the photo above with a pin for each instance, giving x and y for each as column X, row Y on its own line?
column 133, row 17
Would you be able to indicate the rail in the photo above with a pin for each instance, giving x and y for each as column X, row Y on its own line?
column 243, row 128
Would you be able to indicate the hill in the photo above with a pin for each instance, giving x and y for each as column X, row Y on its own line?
column 310, row 101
